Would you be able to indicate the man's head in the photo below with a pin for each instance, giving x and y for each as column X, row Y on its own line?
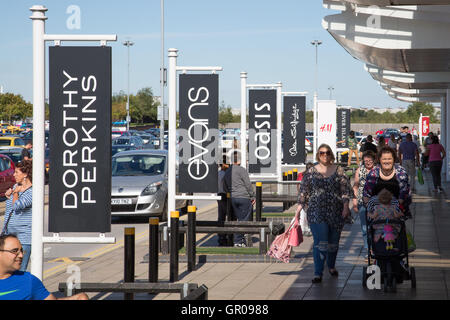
column 11, row 254
column 409, row 137
column 430, row 134
column 369, row 138
column 352, row 134
column 29, row 146
column 236, row 158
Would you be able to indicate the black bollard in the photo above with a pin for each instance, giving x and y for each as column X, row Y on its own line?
column 129, row 260
column 191, row 238
column 295, row 174
column 289, row 177
column 258, row 201
column 174, row 228
column 153, row 250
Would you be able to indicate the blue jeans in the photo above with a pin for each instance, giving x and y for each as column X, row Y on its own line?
column 362, row 218
column 325, row 247
column 26, row 257
column 242, row 211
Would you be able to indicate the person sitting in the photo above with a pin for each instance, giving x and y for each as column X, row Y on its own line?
column 384, row 207
column 19, row 285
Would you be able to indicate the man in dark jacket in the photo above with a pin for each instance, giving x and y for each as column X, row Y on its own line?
column 237, row 182
column 368, row 145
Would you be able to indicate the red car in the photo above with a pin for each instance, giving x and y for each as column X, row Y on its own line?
column 7, row 169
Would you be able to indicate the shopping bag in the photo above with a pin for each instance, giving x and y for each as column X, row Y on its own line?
column 295, row 235
column 411, row 242
column 420, row 176
column 280, row 248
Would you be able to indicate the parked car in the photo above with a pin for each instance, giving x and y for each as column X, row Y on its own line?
column 28, row 137
column 15, row 154
column 139, row 184
column 125, row 143
column 7, row 180
column 7, row 142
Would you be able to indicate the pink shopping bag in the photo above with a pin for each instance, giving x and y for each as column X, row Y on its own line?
column 280, row 248
column 295, row 235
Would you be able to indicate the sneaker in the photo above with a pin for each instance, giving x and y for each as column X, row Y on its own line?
column 240, row 245
column 439, row 190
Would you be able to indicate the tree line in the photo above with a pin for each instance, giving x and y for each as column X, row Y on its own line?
column 144, row 109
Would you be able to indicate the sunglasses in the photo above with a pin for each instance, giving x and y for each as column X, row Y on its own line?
column 328, row 153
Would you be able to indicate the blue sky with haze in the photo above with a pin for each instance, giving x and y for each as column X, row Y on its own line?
column 268, row 39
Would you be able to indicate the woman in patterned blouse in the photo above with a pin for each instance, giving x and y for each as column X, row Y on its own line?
column 390, row 176
column 324, row 193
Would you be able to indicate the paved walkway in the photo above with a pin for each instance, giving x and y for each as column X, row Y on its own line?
column 292, row 281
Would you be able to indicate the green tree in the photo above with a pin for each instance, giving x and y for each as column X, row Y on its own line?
column 14, row 107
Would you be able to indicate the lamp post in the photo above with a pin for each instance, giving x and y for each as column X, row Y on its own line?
column 315, row 43
column 161, row 126
column 128, row 44
column 331, row 88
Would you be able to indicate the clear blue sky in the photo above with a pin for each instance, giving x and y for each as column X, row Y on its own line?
column 268, row 39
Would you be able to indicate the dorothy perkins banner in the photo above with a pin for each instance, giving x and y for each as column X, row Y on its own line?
column 80, row 139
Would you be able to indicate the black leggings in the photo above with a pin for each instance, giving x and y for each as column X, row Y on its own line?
column 435, row 168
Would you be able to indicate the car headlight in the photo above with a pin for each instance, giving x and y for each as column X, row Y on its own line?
column 152, row 188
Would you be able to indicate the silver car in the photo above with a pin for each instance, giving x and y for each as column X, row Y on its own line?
column 139, row 184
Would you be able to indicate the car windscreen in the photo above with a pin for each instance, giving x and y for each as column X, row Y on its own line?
column 117, row 142
column 5, row 142
column 138, row 165
column 15, row 157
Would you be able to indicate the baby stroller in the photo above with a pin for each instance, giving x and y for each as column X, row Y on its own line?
column 391, row 255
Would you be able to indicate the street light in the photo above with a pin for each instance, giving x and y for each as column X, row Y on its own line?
column 128, row 44
column 331, row 88
column 315, row 43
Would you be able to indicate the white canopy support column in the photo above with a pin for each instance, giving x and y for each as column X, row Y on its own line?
column 244, row 120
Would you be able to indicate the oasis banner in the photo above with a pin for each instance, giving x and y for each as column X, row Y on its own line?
column 199, row 121
column 294, row 130
column 80, row 139
column 262, row 138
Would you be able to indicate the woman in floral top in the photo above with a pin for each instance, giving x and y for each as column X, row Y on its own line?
column 390, row 176
column 324, row 193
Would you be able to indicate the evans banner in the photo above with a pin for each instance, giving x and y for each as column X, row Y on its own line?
column 294, row 130
column 199, row 121
column 343, row 126
column 262, row 138
column 80, row 139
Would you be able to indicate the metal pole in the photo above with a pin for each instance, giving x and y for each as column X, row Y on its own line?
column 258, row 201
column 129, row 260
column 128, row 44
column 37, row 229
column 174, row 216
column 191, row 238
column 316, row 43
column 279, row 151
column 173, row 54
column 153, row 250
column 161, row 127
column 244, row 119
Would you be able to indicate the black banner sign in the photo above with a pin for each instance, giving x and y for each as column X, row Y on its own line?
column 294, row 130
column 343, row 126
column 199, row 122
column 80, row 139
column 262, row 126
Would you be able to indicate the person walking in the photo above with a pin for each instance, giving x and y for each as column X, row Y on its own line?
column 390, row 176
column 222, row 203
column 352, row 144
column 303, row 219
column 368, row 163
column 325, row 192
column 426, row 142
column 381, row 143
column 409, row 159
column 18, row 211
column 368, row 145
column 26, row 155
column 393, row 142
column 436, row 153
column 237, row 182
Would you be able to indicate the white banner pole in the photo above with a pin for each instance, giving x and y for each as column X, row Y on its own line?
column 173, row 54
column 244, row 119
column 37, row 231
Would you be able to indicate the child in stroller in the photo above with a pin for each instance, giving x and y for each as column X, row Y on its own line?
column 387, row 240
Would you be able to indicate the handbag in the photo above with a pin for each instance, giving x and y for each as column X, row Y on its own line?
column 420, row 176
column 295, row 234
column 5, row 227
column 411, row 242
